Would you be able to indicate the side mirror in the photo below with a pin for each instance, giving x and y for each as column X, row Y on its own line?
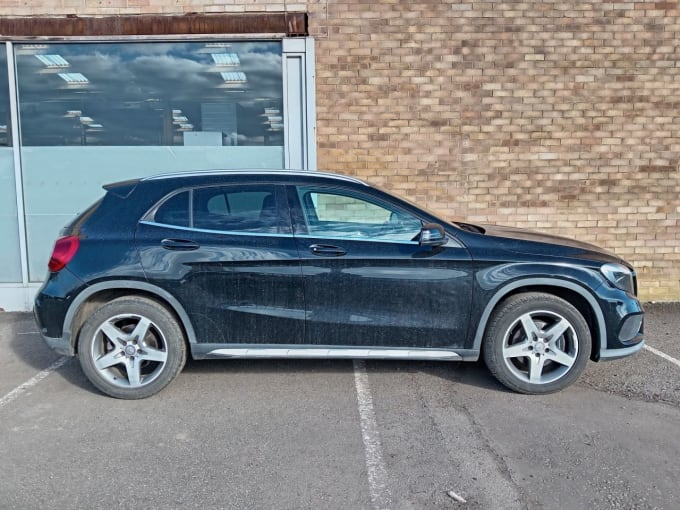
column 432, row 234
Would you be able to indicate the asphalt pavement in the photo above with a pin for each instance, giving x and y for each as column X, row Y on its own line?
column 311, row 434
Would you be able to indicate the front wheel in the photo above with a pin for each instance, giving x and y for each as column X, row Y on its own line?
column 536, row 343
column 131, row 348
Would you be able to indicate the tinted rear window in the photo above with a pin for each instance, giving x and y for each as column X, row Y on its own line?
column 236, row 208
column 250, row 208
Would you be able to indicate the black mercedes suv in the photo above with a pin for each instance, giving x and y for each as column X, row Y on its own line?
column 278, row 264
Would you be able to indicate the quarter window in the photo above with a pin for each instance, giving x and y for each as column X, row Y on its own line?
column 341, row 214
column 174, row 211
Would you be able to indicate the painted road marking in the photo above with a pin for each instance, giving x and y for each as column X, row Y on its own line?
column 663, row 355
column 12, row 395
column 377, row 474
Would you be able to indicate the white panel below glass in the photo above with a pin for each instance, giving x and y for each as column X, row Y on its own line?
column 10, row 254
column 43, row 230
column 60, row 182
column 18, row 297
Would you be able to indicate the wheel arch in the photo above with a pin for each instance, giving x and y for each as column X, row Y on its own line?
column 95, row 295
column 575, row 294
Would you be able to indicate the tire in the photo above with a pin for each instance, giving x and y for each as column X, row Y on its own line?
column 131, row 348
column 536, row 343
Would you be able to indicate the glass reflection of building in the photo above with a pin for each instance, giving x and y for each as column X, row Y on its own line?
column 10, row 256
column 150, row 94
column 91, row 112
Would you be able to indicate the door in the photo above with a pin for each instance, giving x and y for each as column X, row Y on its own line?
column 367, row 279
column 228, row 254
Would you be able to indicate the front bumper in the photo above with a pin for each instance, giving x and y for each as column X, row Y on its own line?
column 612, row 354
column 624, row 324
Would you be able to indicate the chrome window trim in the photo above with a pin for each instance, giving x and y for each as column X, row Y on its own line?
column 266, row 234
column 220, row 232
column 356, row 239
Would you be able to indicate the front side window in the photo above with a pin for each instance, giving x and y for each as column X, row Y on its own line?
column 223, row 209
column 331, row 213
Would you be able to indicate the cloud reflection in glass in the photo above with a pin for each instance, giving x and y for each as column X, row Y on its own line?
column 133, row 90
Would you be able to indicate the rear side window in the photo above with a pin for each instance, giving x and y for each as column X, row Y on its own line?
column 223, row 208
column 236, row 208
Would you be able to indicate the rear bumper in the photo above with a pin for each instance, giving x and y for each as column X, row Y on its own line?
column 61, row 345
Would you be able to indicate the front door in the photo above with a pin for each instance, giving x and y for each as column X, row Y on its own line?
column 368, row 281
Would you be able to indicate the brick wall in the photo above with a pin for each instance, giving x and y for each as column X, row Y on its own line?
column 561, row 116
column 558, row 115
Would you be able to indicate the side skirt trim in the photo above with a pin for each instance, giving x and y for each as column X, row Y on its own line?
column 321, row 352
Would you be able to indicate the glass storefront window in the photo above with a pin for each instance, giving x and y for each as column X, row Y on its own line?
column 92, row 113
column 150, row 94
column 10, row 255
column 5, row 119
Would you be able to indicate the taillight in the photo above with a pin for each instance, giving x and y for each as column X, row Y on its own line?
column 64, row 250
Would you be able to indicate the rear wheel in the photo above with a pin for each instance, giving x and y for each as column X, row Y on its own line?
column 536, row 343
column 131, row 348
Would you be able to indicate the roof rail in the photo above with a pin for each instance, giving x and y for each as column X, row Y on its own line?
column 305, row 173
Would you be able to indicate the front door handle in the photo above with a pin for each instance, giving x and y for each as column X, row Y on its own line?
column 179, row 244
column 327, row 250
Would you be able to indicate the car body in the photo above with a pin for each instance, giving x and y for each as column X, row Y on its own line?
column 250, row 264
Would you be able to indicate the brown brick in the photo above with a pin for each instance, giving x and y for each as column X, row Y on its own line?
column 553, row 115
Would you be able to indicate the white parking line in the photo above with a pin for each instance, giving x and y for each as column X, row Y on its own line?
column 12, row 395
column 663, row 355
column 377, row 474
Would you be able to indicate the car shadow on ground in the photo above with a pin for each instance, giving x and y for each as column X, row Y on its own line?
column 466, row 373
column 456, row 373
column 30, row 349
column 266, row 366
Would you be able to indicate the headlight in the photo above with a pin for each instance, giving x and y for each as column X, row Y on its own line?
column 619, row 276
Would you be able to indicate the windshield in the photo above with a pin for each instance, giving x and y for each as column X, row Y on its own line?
column 469, row 227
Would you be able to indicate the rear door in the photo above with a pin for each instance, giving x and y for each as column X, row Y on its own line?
column 368, row 281
column 228, row 255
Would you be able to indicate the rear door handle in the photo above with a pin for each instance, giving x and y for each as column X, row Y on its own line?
column 179, row 244
column 327, row 250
